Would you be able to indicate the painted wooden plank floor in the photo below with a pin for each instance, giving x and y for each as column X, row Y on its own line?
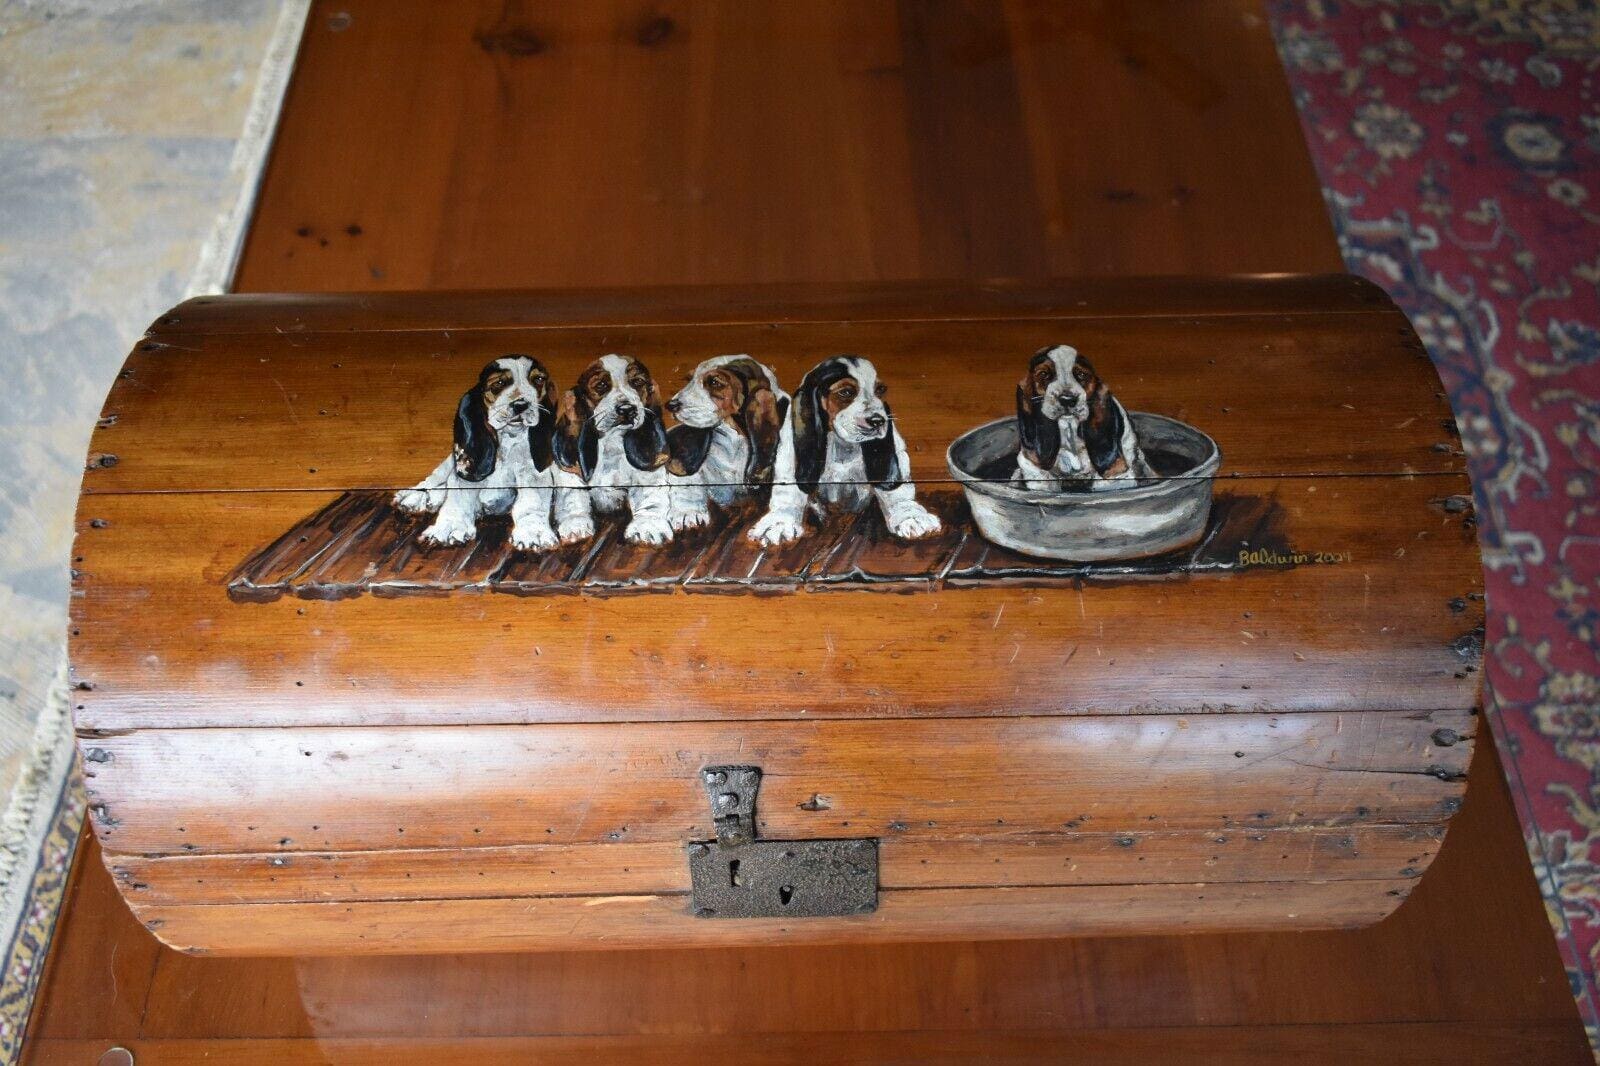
column 361, row 543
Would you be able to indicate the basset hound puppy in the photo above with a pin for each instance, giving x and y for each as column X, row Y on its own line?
column 839, row 447
column 1075, row 434
column 726, row 441
column 609, row 439
column 501, row 461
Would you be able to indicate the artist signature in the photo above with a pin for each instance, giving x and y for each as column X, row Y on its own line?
column 1272, row 557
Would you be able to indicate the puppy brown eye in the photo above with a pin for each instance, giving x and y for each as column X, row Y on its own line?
column 846, row 394
column 880, row 390
column 714, row 384
column 602, row 387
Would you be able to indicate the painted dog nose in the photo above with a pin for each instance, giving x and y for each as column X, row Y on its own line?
column 626, row 411
column 875, row 421
column 673, row 405
column 519, row 406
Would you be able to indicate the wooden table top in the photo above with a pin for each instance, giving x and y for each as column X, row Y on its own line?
column 524, row 145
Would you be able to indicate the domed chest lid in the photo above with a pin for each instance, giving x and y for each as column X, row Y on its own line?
column 1163, row 496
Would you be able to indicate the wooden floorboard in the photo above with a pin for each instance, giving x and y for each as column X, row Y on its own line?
column 521, row 144
column 361, row 543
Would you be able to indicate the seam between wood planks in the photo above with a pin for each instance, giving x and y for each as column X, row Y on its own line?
column 684, row 893
column 276, row 727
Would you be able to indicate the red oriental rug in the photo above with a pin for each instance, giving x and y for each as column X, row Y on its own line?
column 1458, row 142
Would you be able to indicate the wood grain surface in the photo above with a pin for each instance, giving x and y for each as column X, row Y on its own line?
column 1457, row 974
column 246, row 789
column 994, row 697
column 483, row 157
column 723, row 142
column 1068, row 857
column 1308, row 392
column 1049, row 730
column 1393, row 628
column 318, row 799
column 622, row 922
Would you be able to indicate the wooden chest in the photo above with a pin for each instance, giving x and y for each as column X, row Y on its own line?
column 409, row 623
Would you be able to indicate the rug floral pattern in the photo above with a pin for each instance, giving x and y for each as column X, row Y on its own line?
column 1458, row 142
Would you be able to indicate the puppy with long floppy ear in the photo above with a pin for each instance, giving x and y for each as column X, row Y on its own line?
column 501, row 460
column 840, row 447
column 725, row 444
column 609, row 439
column 1074, row 432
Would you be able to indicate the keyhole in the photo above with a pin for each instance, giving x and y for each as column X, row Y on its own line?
column 785, row 894
column 733, row 874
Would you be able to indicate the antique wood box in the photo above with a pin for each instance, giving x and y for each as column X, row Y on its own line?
column 519, row 621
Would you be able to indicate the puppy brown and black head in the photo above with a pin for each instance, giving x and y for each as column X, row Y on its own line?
column 1061, row 384
column 513, row 395
column 734, row 390
column 842, row 396
column 614, row 394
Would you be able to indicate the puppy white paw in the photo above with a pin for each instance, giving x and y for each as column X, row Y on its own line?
column 419, row 501
column 691, row 519
column 648, row 529
column 775, row 529
column 533, row 538
column 572, row 530
column 448, row 531
column 913, row 521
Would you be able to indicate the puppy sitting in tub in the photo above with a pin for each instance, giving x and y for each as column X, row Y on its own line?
column 1076, row 436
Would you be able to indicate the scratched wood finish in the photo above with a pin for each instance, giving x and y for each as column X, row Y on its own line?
column 160, row 791
column 1309, row 798
column 1131, row 857
column 1308, row 637
column 1393, row 628
column 623, row 922
column 1466, row 957
column 1276, row 693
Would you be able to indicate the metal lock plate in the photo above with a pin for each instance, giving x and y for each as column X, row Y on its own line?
column 738, row 876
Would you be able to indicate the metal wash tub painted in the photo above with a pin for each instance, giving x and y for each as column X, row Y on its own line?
column 1157, row 515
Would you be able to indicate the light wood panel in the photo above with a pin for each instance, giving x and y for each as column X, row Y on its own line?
column 1130, row 857
column 620, row 923
column 1394, row 628
column 222, row 790
column 1284, row 394
column 1469, row 949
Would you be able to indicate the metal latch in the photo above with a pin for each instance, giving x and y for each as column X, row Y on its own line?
column 738, row 876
